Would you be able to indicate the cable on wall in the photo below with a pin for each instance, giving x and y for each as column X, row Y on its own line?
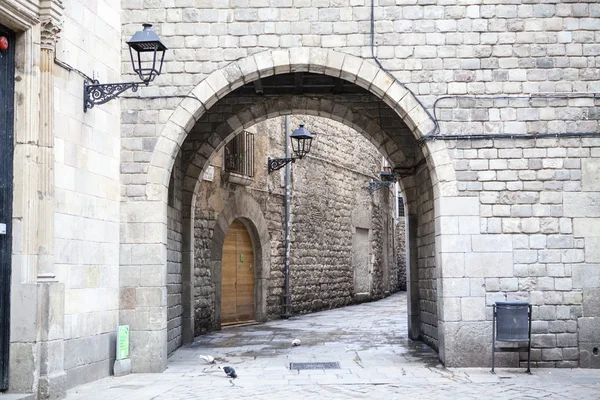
column 531, row 97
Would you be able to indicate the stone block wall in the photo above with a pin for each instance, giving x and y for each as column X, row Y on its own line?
column 503, row 49
column 329, row 187
column 426, row 273
column 536, row 241
column 86, row 172
column 174, row 260
column 437, row 48
column 401, row 251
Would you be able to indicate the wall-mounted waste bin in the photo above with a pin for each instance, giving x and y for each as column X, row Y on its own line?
column 512, row 323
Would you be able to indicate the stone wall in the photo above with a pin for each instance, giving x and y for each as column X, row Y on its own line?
column 400, row 243
column 174, row 260
column 330, row 198
column 505, row 49
column 426, row 263
column 87, row 168
column 538, row 208
column 436, row 48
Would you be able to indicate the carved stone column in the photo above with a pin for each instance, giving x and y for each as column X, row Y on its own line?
column 51, row 293
column 45, row 210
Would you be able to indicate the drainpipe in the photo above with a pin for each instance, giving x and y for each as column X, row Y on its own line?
column 287, row 299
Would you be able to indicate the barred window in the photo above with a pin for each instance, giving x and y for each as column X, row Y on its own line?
column 239, row 154
column 400, row 206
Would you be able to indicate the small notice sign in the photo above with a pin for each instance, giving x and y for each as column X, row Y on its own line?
column 209, row 174
column 122, row 342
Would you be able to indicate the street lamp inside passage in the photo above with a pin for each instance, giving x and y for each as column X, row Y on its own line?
column 301, row 143
column 147, row 54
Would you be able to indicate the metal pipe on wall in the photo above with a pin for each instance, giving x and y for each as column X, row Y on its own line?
column 287, row 300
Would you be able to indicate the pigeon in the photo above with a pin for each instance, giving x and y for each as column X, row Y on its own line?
column 229, row 371
column 296, row 342
column 208, row 359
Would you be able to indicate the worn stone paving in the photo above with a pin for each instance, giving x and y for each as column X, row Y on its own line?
column 369, row 341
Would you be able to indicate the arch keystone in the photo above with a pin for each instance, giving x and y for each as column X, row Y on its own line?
column 299, row 59
column 281, row 61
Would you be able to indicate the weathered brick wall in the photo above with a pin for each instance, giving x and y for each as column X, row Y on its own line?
column 174, row 259
column 539, row 195
column 328, row 186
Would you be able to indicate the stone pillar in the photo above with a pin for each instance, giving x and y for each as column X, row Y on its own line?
column 187, row 276
column 412, row 278
column 45, row 188
column 143, row 277
column 50, row 293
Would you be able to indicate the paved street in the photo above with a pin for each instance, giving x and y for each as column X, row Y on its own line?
column 370, row 343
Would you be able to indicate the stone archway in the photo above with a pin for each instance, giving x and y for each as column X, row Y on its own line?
column 148, row 338
column 284, row 106
column 261, row 65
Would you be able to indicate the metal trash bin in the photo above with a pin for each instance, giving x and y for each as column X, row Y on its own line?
column 512, row 323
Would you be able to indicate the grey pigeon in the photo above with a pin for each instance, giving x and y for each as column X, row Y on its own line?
column 230, row 372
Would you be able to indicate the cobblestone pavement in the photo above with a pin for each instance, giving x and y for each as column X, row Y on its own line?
column 370, row 343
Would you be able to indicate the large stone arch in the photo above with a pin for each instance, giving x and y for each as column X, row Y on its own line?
column 286, row 105
column 261, row 65
column 149, row 338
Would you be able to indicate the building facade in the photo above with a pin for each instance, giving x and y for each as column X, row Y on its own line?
column 487, row 112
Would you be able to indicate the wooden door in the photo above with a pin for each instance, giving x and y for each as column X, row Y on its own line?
column 237, row 295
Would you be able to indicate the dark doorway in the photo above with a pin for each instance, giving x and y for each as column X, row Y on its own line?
column 7, row 75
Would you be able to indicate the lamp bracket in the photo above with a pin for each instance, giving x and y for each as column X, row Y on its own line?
column 96, row 93
column 376, row 185
column 277, row 163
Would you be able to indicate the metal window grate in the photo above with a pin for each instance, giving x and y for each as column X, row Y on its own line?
column 239, row 154
column 315, row 365
column 400, row 206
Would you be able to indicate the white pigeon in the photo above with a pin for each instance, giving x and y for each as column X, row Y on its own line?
column 296, row 342
column 208, row 359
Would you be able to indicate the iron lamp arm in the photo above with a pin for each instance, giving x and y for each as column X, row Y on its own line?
column 99, row 93
column 275, row 164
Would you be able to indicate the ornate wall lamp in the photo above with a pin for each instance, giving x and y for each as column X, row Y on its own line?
column 301, row 142
column 147, row 53
column 388, row 179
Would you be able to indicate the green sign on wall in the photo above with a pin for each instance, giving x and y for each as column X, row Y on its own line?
column 122, row 342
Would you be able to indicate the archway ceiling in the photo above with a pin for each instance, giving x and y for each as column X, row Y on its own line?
column 322, row 93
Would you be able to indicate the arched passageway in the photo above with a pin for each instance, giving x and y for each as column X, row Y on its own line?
column 342, row 87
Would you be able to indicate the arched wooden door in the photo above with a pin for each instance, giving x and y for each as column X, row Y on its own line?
column 237, row 295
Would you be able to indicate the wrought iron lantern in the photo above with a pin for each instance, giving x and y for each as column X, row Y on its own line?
column 301, row 141
column 301, row 144
column 147, row 53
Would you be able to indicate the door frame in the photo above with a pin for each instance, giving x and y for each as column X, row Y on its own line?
column 6, row 177
column 244, row 207
column 235, row 267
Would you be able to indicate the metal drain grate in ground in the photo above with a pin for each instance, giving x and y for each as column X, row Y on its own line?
column 315, row 365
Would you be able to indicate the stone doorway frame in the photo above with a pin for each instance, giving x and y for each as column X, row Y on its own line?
column 244, row 207
column 149, row 339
